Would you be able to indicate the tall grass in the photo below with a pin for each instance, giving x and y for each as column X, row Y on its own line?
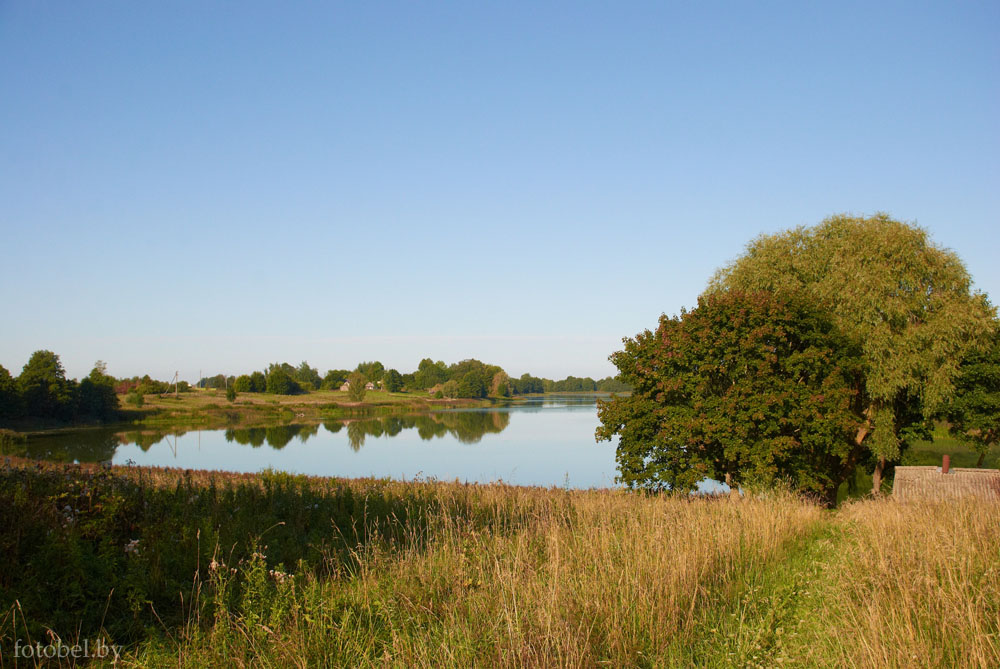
column 914, row 585
column 273, row 571
column 588, row 579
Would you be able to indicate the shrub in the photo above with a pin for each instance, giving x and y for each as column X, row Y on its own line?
column 243, row 384
column 280, row 383
column 357, row 390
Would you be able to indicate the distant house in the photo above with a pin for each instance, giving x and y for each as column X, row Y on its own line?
column 346, row 386
column 929, row 483
column 369, row 386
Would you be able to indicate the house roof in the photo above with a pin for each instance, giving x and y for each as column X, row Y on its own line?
column 928, row 483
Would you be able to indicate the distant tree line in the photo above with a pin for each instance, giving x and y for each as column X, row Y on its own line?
column 42, row 392
column 465, row 379
column 147, row 386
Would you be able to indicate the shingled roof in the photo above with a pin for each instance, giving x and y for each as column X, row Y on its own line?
column 928, row 483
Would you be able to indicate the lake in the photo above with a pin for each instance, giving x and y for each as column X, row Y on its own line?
column 544, row 441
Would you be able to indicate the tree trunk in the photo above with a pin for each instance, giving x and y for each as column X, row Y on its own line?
column 877, row 477
column 734, row 491
column 979, row 462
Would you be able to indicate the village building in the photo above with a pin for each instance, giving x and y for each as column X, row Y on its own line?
column 945, row 483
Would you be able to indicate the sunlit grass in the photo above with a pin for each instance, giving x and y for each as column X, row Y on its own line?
column 275, row 570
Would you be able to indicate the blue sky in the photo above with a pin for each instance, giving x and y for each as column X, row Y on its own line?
column 211, row 187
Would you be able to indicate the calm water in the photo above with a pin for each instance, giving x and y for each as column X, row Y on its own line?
column 540, row 441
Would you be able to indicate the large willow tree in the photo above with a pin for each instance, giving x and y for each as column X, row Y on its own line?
column 906, row 302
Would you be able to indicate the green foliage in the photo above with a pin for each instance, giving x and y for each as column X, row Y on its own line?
column 10, row 397
column 430, row 374
column 92, row 552
column 305, row 374
column 974, row 411
column 613, row 384
column 750, row 388
column 258, row 382
column 393, row 381
column 572, row 384
column 372, row 371
column 280, row 382
column 335, row 378
column 449, row 388
column 217, row 382
column 44, row 390
column 907, row 303
column 473, row 378
column 472, row 385
column 356, row 391
column 243, row 384
column 96, row 397
column 231, row 393
column 135, row 399
column 528, row 384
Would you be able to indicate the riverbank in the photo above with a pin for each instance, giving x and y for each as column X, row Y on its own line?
column 191, row 568
column 209, row 409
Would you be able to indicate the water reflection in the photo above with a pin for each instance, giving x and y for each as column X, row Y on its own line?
column 466, row 427
column 538, row 441
column 277, row 436
column 99, row 445
column 82, row 446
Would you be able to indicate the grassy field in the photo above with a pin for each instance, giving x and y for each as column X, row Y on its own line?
column 209, row 408
column 195, row 569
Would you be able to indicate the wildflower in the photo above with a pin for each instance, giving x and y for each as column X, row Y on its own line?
column 132, row 547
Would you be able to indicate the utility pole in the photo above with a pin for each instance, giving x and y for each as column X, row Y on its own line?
column 176, row 375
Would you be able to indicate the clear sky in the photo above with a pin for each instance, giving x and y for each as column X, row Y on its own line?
column 210, row 187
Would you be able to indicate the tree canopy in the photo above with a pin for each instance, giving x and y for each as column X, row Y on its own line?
column 750, row 388
column 905, row 302
column 974, row 413
column 393, row 380
column 42, row 392
column 372, row 371
column 280, row 382
column 44, row 387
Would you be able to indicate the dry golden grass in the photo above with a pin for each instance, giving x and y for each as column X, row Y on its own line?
column 579, row 579
column 607, row 578
column 492, row 575
column 913, row 585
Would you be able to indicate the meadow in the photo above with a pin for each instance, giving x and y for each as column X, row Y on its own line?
column 192, row 569
column 210, row 408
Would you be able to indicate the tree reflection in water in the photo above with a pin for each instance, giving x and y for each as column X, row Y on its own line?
column 277, row 436
column 468, row 427
column 100, row 445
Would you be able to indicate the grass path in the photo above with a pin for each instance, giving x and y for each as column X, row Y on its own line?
column 768, row 619
column 875, row 584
